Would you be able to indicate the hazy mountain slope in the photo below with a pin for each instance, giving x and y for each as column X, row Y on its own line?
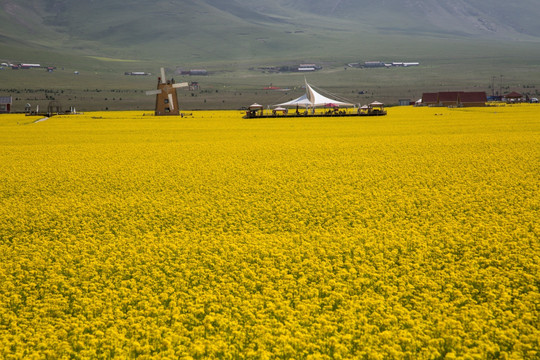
column 181, row 29
column 231, row 29
column 496, row 17
column 22, row 21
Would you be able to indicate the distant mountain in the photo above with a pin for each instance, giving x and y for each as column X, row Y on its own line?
column 193, row 30
column 471, row 17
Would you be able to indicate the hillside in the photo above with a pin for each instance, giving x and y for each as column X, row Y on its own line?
column 460, row 45
column 208, row 30
column 500, row 19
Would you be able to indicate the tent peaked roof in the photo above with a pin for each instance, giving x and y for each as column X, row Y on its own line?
column 313, row 98
column 513, row 95
column 301, row 101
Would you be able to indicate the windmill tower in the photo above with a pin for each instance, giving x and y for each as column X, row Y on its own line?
column 166, row 99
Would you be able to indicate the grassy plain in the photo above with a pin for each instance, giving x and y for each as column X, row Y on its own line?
column 413, row 235
column 446, row 65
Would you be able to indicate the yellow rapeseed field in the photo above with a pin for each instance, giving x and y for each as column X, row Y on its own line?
column 410, row 236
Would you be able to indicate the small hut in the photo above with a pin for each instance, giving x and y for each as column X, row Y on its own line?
column 377, row 108
column 513, row 97
column 363, row 110
column 254, row 110
column 280, row 111
column 5, row 104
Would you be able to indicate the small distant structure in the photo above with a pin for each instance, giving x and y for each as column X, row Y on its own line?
column 495, row 98
column 254, row 110
column 455, row 99
column 194, row 86
column 513, row 97
column 308, row 67
column 5, row 104
column 166, row 98
column 376, row 108
column 280, row 111
column 473, row 99
column 29, row 66
column 270, row 69
column 54, row 108
column 449, row 98
column 430, row 99
column 382, row 64
column 289, row 68
column 136, row 73
column 373, row 64
column 194, row 72
column 198, row 72
column 404, row 102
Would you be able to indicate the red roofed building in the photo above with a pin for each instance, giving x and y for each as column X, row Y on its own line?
column 430, row 99
column 455, row 98
column 476, row 99
column 449, row 98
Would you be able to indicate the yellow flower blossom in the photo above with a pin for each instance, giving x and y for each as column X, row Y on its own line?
column 413, row 235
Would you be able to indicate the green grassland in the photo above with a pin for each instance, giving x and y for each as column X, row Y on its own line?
column 101, row 82
column 229, row 41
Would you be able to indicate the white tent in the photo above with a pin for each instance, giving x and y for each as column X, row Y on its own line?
column 255, row 106
column 301, row 101
column 313, row 99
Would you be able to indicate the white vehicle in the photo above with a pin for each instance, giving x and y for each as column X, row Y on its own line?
column 534, row 100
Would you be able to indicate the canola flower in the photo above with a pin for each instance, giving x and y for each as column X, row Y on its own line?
column 410, row 236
